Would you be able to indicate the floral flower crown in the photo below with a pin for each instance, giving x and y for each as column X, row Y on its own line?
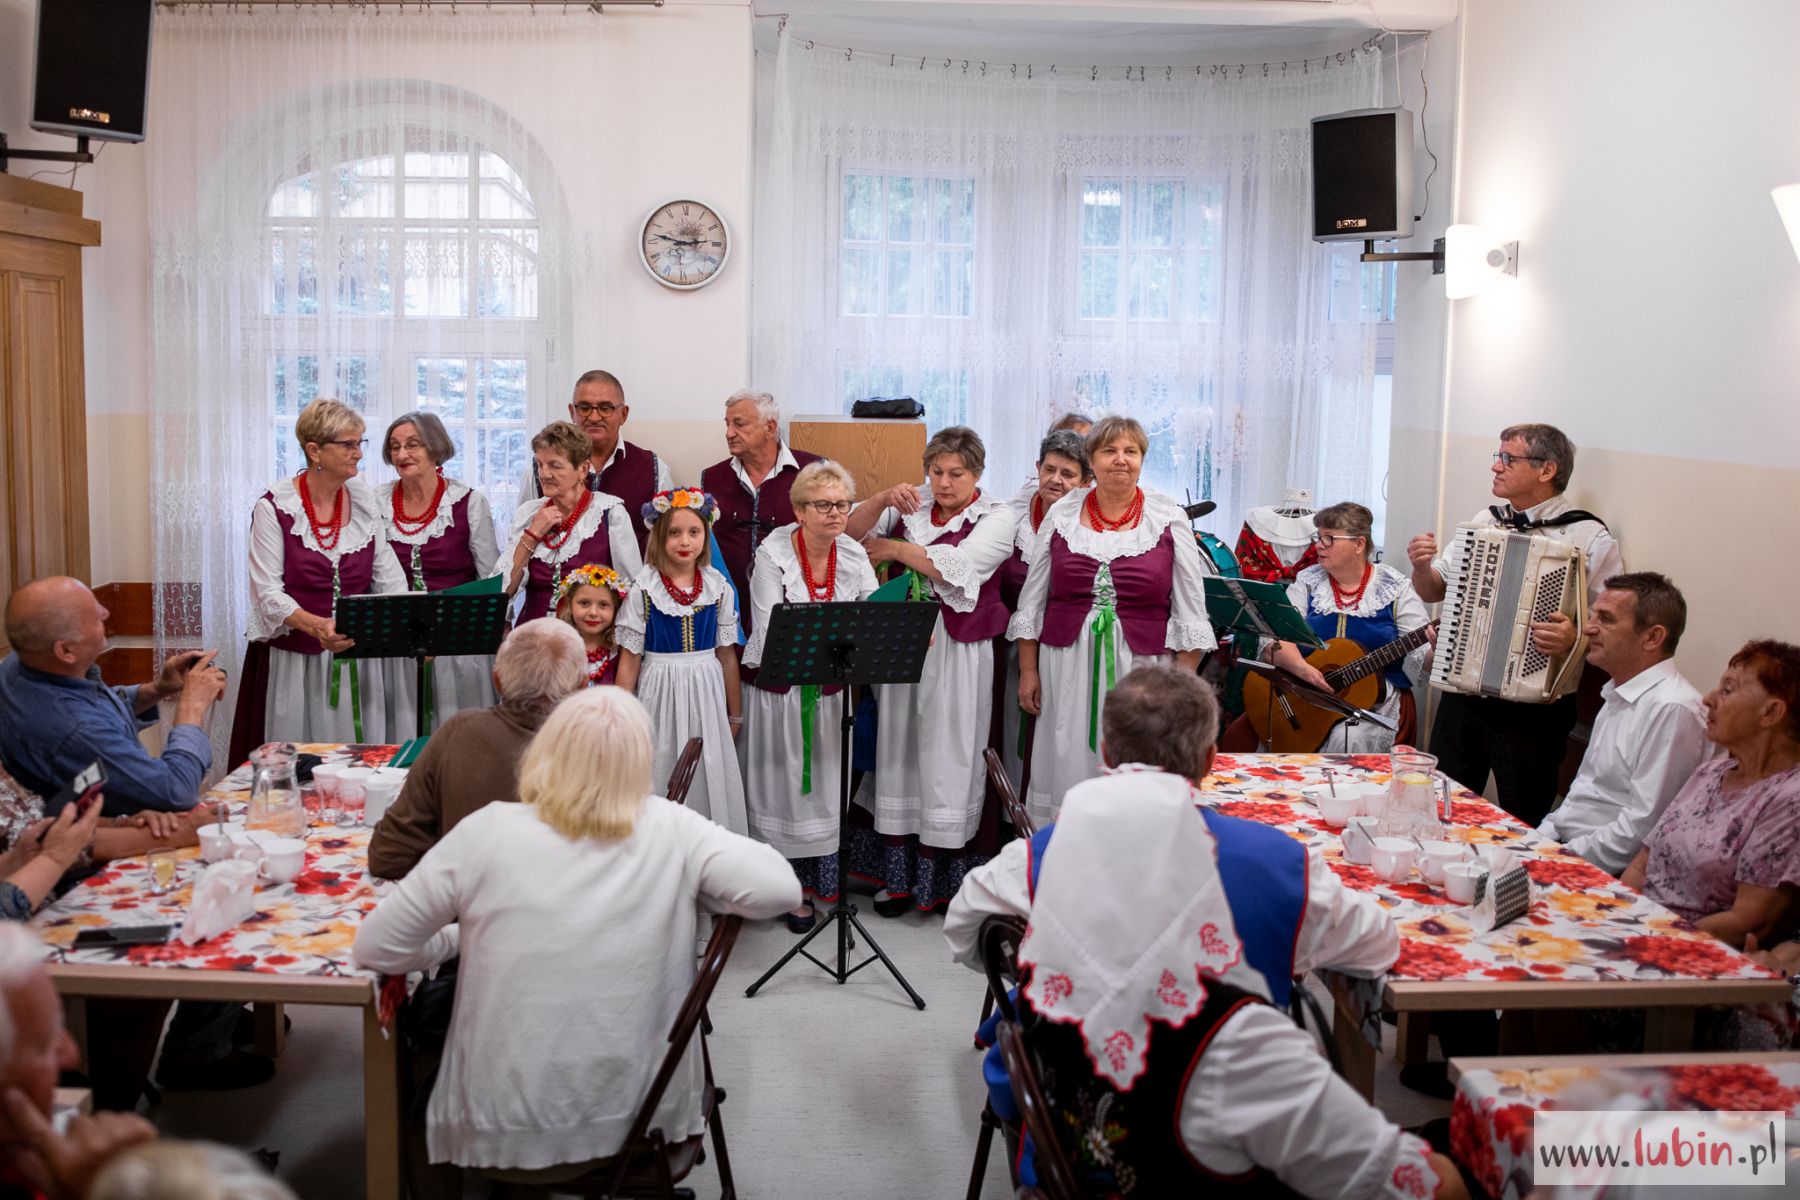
column 590, row 575
column 701, row 503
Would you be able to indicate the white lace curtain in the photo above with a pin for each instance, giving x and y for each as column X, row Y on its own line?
column 1006, row 248
column 370, row 207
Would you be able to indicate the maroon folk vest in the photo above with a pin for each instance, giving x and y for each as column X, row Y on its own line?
column 746, row 518
column 1143, row 582
column 989, row 616
column 541, row 577
column 445, row 560
column 632, row 478
column 306, row 576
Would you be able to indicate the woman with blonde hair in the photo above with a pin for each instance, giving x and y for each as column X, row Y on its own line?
column 789, row 751
column 313, row 539
column 618, row 875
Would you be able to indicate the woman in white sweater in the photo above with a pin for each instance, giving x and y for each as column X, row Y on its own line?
column 575, row 912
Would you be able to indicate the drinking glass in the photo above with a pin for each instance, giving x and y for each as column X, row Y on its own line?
column 352, row 794
column 159, row 865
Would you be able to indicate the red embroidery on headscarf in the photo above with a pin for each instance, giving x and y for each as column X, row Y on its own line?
column 1118, row 1048
column 1169, row 992
column 1056, row 987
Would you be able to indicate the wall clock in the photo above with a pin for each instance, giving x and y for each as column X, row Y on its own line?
column 684, row 244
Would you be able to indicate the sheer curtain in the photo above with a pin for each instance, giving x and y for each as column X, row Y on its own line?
column 365, row 207
column 1006, row 248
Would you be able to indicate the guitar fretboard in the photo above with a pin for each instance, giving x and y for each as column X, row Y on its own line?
column 1378, row 660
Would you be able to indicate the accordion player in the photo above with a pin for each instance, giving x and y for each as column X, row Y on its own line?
column 1500, row 581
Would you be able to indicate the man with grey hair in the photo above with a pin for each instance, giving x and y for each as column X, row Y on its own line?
column 751, row 486
column 473, row 758
column 1521, row 745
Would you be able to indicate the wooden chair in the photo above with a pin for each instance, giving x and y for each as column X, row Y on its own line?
column 1015, row 808
column 682, row 777
column 999, row 941
column 648, row 1164
column 1306, row 1011
column 1056, row 1175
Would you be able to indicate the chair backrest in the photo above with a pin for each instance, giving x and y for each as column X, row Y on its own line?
column 687, row 1020
column 1056, row 1176
column 999, row 939
column 1015, row 811
column 1305, row 1009
column 682, row 777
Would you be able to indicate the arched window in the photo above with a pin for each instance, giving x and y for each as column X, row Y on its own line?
column 403, row 273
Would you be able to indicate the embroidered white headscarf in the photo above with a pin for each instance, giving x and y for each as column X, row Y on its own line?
column 1130, row 919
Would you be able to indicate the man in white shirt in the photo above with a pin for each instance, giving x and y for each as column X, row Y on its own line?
column 1522, row 745
column 1649, row 736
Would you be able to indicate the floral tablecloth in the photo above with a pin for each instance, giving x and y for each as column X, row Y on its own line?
column 1491, row 1118
column 301, row 928
column 1583, row 923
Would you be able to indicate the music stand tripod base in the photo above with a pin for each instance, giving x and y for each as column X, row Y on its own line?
column 840, row 644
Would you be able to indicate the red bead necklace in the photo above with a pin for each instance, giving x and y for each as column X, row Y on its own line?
column 411, row 525
column 945, row 520
column 1129, row 520
column 817, row 591
column 556, row 537
column 327, row 534
column 1352, row 599
column 1037, row 510
column 685, row 598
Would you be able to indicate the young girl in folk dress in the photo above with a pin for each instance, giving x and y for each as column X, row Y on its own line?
column 676, row 637
column 589, row 598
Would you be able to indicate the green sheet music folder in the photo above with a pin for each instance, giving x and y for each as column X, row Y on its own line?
column 490, row 586
column 1252, row 606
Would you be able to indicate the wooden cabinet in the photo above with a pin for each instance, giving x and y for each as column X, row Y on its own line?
column 878, row 452
column 43, row 407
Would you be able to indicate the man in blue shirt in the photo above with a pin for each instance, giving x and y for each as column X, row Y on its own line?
column 56, row 716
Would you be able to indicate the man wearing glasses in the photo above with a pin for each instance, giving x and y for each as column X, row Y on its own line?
column 751, row 486
column 618, row 468
column 1522, row 745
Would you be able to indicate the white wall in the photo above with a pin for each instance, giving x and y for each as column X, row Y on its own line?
column 1656, row 316
column 680, row 354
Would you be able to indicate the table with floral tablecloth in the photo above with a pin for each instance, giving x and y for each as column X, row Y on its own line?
column 1584, row 927
column 295, row 949
column 1491, row 1118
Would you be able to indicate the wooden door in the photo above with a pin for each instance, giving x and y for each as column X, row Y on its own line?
column 43, row 405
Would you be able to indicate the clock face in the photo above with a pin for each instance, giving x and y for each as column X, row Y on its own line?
column 684, row 244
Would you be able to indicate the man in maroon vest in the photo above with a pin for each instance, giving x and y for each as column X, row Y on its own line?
column 618, row 468
column 751, row 486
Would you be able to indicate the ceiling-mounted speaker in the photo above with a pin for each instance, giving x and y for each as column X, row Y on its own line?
column 93, row 68
column 1362, row 175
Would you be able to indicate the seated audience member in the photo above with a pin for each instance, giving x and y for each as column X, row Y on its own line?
column 605, row 926
column 57, row 717
column 473, row 758
column 1651, row 731
column 34, row 1050
column 1136, row 933
column 1726, row 854
column 1165, row 723
column 186, row 1171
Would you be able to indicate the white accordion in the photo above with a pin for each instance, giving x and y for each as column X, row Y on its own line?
column 1500, row 581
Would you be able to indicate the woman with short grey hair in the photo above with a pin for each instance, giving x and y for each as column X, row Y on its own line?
column 442, row 532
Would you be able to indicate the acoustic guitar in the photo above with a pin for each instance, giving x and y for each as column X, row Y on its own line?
column 1350, row 671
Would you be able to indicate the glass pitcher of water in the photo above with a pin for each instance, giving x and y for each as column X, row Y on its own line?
column 274, row 795
column 1412, row 809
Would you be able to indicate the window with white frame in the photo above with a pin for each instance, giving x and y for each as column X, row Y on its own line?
column 908, row 246
column 408, row 279
column 1149, row 249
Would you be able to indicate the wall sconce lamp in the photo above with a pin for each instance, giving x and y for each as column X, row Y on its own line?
column 1787, row 203
column 1469, row 257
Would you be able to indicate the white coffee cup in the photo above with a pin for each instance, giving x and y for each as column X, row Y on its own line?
column 1373, row 798
column 380, row 792
column 1337, row 810
column 245, row 847
column 1459, row 880
column 1393, row 858
column 1359, row 839
column 283, row 860
column 1437, row 856
column 215, row 840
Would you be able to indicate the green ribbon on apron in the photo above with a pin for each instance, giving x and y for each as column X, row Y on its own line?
column 428, row 700
column 337, row 667
column 918, row 588
column 1106, row 623
column 809, row 716
column 1025, row 722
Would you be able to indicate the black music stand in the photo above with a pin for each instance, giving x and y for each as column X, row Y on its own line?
column 841, row 644
column 422, row 625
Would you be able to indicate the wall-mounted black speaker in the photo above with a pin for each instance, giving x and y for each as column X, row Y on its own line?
column 93, row 68
column 1362, row 175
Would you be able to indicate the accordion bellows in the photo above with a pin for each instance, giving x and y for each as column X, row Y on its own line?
column 1499, row 581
